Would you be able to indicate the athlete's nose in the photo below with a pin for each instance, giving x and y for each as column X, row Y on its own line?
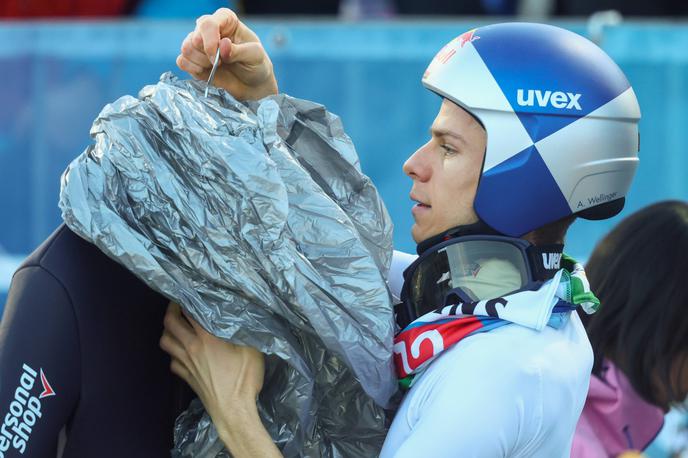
column 417, row 166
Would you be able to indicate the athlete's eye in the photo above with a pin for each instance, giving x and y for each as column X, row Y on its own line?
column 448, row 150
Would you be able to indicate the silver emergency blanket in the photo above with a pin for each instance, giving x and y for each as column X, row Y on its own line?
column 257, row 219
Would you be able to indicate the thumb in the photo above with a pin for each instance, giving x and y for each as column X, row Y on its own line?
column 241, row 53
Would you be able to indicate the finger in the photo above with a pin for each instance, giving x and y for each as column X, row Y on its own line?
column 201, row 18
column 197, row 57
column 194, row 54
column 198, row 329
column 227, row 20
column 173, row 347
column 187, row 41
column 197, row 40
column 209, row 30
column 245, row 53
column 176, row 325
column 179, row 369
column 194, row 69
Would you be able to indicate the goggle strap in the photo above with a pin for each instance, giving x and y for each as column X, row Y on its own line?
column 545, row 260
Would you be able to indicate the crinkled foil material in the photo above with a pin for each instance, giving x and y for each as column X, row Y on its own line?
column 257, row 219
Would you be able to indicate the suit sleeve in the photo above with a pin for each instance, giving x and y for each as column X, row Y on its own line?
column 39, row 364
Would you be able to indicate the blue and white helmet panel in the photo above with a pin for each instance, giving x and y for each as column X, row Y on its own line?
column 560, row 116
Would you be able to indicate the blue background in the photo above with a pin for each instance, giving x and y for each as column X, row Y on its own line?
column 55, row 78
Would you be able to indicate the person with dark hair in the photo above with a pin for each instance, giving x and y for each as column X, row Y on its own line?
column 640, row 334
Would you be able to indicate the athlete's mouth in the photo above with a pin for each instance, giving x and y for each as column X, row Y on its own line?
column 420, row 203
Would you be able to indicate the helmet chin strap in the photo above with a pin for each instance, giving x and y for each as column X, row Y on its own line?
column 479, row 228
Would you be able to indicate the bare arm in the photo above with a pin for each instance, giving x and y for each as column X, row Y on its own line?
column 246, row 437
column 226, row 377
column 246, row 71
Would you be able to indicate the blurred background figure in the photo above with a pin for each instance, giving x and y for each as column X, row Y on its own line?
column 640, row 334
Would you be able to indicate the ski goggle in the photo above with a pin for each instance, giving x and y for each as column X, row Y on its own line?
column 471, row 269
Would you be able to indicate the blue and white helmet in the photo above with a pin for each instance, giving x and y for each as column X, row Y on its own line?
column 561, row 122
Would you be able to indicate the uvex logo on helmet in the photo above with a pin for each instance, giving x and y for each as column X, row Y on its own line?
column 557, row 99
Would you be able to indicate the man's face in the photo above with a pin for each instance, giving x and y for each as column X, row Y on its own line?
column 445, row 173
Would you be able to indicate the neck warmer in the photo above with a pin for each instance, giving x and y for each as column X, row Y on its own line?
column 424, row 339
